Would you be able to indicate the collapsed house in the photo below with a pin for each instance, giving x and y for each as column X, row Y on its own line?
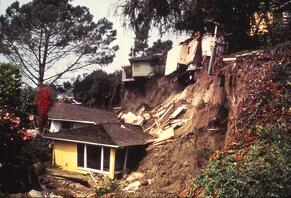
column 187, row 56
column 143, row 67
column 87, row 139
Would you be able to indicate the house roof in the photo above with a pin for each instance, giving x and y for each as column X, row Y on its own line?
column 78, row 113
column 112, row 135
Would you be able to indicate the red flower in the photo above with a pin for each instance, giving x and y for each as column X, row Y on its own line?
column 44, row 101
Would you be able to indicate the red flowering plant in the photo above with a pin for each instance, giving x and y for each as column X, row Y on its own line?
column 44, row 102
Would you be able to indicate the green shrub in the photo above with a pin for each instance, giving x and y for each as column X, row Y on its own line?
column 261, row 170
column 38, row 149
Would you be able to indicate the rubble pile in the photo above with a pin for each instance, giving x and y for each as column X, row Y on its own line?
column 162, row 121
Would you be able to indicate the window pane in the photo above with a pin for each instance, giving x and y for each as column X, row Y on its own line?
column 66, row 125
column 120, row 154
column 80, row 155
column 94, row 157
column 106, row 162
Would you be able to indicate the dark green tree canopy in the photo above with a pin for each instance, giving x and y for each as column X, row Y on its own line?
column 159, row 46
column 233, row 16
column 48, row 38
column 98, row 89
column 10, row 86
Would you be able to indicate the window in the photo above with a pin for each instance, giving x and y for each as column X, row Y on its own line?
column 94, row 157
column 80, row 155
column 66, row 125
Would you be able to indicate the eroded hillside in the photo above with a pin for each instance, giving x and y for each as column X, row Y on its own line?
column 214, row 118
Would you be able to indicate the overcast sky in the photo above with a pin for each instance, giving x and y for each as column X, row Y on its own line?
column 99, row 9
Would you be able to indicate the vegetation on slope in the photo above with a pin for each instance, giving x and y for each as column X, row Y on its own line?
column 258, row 164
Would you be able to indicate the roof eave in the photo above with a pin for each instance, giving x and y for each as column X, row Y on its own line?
column 79, row 141
column 68, row 120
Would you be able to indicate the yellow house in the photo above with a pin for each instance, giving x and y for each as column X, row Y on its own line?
column 107, row 148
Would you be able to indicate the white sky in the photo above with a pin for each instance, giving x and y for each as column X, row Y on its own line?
column 100, row 9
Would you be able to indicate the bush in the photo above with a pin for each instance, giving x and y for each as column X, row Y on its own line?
column 260, row 170
column 38, row 149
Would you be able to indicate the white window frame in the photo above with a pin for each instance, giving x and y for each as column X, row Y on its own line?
column 101, row 161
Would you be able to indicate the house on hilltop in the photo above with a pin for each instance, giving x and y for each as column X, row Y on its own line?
column 144, row 67
column 87, row 139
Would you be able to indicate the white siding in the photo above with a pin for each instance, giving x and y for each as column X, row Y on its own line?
column 142, row 69
column 55, row 126
column 207, row 45
column 172, row 60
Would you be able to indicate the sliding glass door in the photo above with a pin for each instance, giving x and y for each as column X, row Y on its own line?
column 93, row 157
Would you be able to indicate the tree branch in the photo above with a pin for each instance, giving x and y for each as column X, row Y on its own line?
column 22, row 62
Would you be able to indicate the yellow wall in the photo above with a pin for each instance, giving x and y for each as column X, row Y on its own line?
column 112, row 163
column 65, row 156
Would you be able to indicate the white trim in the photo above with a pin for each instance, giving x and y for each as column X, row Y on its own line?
column 83, row 142
column 93, row 170
column 80, row 121
column 102, row 158
column 97, row 171
column 125, row 158
column 85, row 156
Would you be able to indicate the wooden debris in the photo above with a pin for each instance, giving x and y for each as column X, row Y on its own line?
column 178, row 111
column 229, row 59
column 92, row 176
column 177, row 123
column 165, row 113
column 166, row 134
column 74, row 179
column 131, row 118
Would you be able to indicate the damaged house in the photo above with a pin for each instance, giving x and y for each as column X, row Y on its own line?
column 143, row 67
column 87, row 139
column 187, row 56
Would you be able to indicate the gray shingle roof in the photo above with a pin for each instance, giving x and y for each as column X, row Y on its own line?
column 113, row 134
column 73, row 112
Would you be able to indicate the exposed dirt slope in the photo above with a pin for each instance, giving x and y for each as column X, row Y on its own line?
column 214, row 107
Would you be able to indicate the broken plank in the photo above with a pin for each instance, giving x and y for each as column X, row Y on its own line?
column 169, row 108
column 73, row 179
column 229, row 59
column 178, row 111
